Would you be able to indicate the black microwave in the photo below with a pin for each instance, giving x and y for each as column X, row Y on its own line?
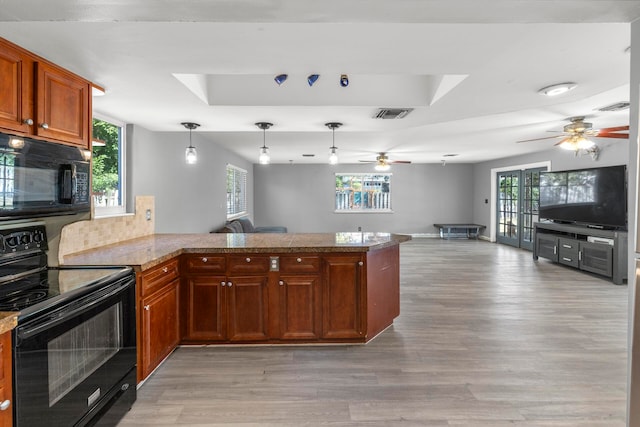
column 40, row 178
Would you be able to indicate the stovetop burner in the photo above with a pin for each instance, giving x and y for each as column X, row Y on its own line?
column 22, row 300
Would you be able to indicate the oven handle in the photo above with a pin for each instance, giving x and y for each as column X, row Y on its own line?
column 72, row 309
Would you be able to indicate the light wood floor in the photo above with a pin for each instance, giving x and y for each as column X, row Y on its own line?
column 486, row 337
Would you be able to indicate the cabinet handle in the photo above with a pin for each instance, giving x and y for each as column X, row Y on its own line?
column 299, row 259
column 567, row 259
column 5, row 405
column 555, row 249
column 229, row 284
column 567, row 246
column 248, row 259
column 165, row 270
column 204, row 259
column 44, row 126
column 223, row 284
column 28, row 122
column 360, row 263
column 281, row 283
column 579, row 255
column 146, row 307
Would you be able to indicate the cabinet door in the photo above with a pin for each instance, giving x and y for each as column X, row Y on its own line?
column 247, row 304
column 300, row 308
column 13, row 94
column 596, row 258
column 62, row 106
column 6, row 366
column 342, row 297
column 160, row 327
column 547, row 246
column 206, row 311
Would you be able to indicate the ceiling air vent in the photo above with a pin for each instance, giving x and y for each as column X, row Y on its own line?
column 615, row 107
column 392, row 113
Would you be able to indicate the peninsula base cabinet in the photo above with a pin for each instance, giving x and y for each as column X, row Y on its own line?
column 602, row 252
column 285, row 298
column 158, row 316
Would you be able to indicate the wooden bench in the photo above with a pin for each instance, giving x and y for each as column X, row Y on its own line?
column 459, row 230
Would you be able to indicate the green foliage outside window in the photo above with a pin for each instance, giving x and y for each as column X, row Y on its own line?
column 105, row 158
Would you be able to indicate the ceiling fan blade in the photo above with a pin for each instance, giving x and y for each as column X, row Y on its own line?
column 613, row 132
column 367, row 161
column 540, row 139
column 399, row 161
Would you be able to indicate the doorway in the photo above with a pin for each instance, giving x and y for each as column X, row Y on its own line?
column 517, row 200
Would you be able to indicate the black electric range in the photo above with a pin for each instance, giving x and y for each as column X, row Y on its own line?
column 74, row 346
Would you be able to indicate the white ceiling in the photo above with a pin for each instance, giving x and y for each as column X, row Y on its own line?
column 470, row 69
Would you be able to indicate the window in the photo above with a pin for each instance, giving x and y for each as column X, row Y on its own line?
column 108, row 167
column 236, row 192
column 359, row 192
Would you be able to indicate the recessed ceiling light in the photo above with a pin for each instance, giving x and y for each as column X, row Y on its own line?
column 557, row 89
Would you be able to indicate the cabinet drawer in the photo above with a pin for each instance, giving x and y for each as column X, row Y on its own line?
column 205, row 264
column 299, row 264
column 246, row 264
column 159, row 276
column 568, row 252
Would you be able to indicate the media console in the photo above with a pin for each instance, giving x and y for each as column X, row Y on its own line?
column 598, row 251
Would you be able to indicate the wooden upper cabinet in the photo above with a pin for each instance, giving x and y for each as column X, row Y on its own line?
column 62, row 106
column 38, row 98
column 15, row 109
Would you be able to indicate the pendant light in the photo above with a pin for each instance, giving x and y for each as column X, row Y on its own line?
column 190, row 154
column 333, row 150
column 264, row 158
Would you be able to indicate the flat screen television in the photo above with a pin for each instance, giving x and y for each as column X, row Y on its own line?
column 595, row 197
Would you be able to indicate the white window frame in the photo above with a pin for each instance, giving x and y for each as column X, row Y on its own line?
column 244, row 174
column 100, row 211
column 361, row 208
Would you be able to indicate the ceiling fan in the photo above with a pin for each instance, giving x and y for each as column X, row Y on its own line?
column 383, row 163
column 575, row 135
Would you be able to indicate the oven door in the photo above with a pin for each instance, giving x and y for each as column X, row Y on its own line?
column 69, row 364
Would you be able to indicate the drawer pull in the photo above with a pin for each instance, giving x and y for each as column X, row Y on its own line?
column 281, row 283
column 5, row 405
column 580, row 256
column 567, row 246
column 299, row 259
column 567, row 259
column 360, row 263
column 204, row 259
column 165, row 270
column 248, row 259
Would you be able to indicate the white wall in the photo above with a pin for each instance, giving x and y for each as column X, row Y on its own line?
column 188, row 198
column 301, row 197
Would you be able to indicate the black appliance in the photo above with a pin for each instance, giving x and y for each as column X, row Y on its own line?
column 595, row 197
column 42, row 178
column 74, row 347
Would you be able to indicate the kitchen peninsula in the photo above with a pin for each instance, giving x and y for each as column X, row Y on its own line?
column 256, row 288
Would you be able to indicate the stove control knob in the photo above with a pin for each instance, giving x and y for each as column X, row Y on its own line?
column 38, row 237
column 25, row 239
column 12, row 241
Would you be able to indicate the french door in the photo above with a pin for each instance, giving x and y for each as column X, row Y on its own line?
column 517, row 210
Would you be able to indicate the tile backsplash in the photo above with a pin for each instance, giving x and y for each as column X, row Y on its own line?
column 84, row 235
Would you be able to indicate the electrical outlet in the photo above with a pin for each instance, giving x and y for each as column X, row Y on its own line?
column 148, row 214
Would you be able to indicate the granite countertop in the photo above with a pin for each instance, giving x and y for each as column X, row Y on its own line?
column 149, row 251
column 8, row 321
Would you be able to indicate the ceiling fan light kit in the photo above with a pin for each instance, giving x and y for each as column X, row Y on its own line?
column 557, row 89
